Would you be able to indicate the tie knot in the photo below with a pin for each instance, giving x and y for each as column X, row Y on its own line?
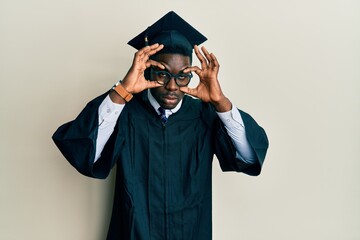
column 161, row 110
column 162, row 115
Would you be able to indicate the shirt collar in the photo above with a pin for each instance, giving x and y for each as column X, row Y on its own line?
column 156, row 105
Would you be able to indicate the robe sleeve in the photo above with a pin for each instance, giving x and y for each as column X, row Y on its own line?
column 226, row 153
column 77, row 142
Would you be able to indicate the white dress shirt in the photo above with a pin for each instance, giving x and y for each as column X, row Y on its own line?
column 109, row 113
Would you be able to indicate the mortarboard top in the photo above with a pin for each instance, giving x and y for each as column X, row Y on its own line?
column 175, row 33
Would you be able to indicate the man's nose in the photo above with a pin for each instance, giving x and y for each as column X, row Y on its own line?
column 171, row 85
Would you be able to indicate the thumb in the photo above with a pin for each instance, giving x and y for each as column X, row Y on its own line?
column 190, row 91
column 152, row 84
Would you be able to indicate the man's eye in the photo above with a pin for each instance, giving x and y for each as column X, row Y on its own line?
column 162, row 75
column 181, row 77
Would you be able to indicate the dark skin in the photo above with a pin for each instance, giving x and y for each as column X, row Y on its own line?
column 168, row 96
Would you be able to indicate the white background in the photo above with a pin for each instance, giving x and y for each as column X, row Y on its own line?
column 293, row 65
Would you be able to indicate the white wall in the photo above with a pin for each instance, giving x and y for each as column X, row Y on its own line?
column 294, row 65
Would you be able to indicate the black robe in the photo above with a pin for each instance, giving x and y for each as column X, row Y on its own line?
column 163, row 182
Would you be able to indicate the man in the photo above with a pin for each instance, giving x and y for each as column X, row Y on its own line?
column 161, row 139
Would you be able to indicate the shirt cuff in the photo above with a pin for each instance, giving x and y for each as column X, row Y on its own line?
column 109, row 111
column 232, row 118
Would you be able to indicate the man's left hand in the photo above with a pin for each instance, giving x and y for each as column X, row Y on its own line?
column 208, row 89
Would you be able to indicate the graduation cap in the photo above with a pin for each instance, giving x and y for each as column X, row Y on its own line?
column 173, row 32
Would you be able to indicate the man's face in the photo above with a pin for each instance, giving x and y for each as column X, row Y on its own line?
column 169, row 95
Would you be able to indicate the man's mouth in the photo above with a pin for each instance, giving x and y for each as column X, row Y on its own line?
column 170, row 99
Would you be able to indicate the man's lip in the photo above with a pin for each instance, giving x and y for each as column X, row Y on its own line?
column 170, row 97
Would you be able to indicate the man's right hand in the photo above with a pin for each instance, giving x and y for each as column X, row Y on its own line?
column 134, row 81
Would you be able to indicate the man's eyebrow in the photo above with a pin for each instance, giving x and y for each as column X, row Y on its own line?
column 167, row 70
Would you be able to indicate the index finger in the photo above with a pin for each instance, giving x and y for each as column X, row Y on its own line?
column 150, row 50
column 155, row 48
column 154, row 63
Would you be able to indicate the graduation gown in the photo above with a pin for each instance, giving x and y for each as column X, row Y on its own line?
column 163, row 179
